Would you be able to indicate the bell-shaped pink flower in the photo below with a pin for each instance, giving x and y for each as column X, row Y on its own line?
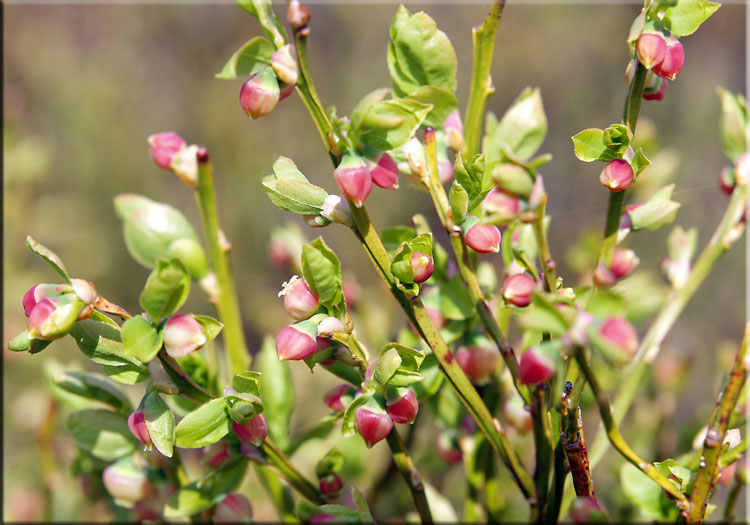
column 260, row 94
column 617, row 175
column 478, row 362
column 483, row 238
column 183, row 335
column 517, row 289
column 234, row 508
column 296, row 342
column 651, row 49
column 372, row 426
column 353, row 178
column 658, row 94
column 299, row 301
column 164, row 146
column 423, row 266
column 52, row 318
column 623, row 263
column 253, row 432
column 535, row 367
column 385, row 173
column 42, row 291
column 137, row 425
column 674, row 58
column 402, row 406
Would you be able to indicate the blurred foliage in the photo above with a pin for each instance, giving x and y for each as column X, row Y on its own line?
column 85, row 85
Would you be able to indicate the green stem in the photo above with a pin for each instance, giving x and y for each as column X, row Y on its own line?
column 712, row 446
column 732, row 501
column 617, row 440
column 668, row 314
column 406, row 466
column 483, row 38
column 357, row 350
column 306, row 88
column 278, row 493
column 559, row 473
column 287, row 471
column 543, row 446
column 228, row 305
column 545, row 256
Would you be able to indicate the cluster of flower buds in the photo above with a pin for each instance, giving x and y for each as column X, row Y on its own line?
column 52, row 309
column 170, row 152
column 356, row 174
column 623, row 263
column 234, row 508
column 264, row 89
column 663, row 56
column 478, row 358
column 374, row 420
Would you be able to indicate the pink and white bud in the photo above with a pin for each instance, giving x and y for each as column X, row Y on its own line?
column 253, row 432
column 447, row 448
column 676, row 272
column 500, row 203
column 674, row 58
column 621, row 334
column 445, row 171
column 125, row 483
column 454, row 131
column 324, row 518
column 414, row 152
column 163, row 148
column 353, row 178
column 260, row 94
column 515, row 413
column 339, row 397
column 372, row 426
column 52, row 318
column 478, row 362
column 385, row 172
column 284, row 64
column 329, row 325
column 183, row 335
column 137, row 426
column 295, row 342
column 603, row 277
column 185, row 165
column 517, row 289
column 535, row 367
column 402, row 406
column 330, row 486
column 658, row 94
column 299, row 301
column 423, row 266
column 651, row 49
column 336, row 209
column 617, row 175
column 742, row 169
column 234, row 508
column 42, row 291
column 623, row 263
column 483, row 238
column 84, row 289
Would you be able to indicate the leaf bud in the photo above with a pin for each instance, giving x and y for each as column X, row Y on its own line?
column 337, row 210
column 137, row 426
column 517, row 289
column 402, row 405
column 372, row 423
column 234, row 508
column 385, row 172
column 284, row 64
column 483, row 238
column 617, row 175
column 353, row 178
column 299, row 301
column 297, row 341
column 651, row 49
column 535, row 367
column 339, row 397
column 183, row 335
column 260, row 94
column 52, row 318
column 674, row 58
column 164, row 146
column 253, row 432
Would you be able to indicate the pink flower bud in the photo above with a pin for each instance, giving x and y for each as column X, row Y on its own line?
column 260, row 94
column 423, row 266
column 603, row 277
column 385, row 173
column 658, row 94
column 674, row 58
column 501, row 203
column 651, row 49
column 620, row 333
column 617, row 175
column 125, row 483
column 164, row 146
column 517, row 289
column 339, row 397
column 515, row 413
column 234, row 508
column 183, row 335
column 329, row 325
column 478, row 362
column 483, row 238
column 84, row 289
column 217, row 454
column 535, row 367
column 727, row 474
column 137, row 425
column 284, row 64
column 403, row 406
column 42, row 291
column 330, row 486
column 52, row 318
column 454, row 131
column 447, row 448
column 726, row 181
column 353, row 178
column 372, row 426
column 623, row 263
column 299, row 301
column 296, row 342
column 445, row 171
column 336, row 209
column 254, row 432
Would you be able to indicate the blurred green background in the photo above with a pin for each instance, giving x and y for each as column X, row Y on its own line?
column 84, row 85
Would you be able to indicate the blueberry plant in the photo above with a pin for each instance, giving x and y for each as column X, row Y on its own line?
column 207, row 412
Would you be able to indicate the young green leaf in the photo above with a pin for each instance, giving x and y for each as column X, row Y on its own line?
column 687, row 16
column 48, row 255
column 409, row 362
column 391, row 123
column 522, row 129
column 295, row 195
column 285, row 168
column 262, row 10
column 647, row 497
column 387, row 365
column 733, row 124
column 589, row 144
column 247, row 383
column 203, row 426
column 333, row 461
column 322, row 272
column 253, row 56
column 443, row 103
column 277, row 392
column 187, row 501
column 362, row 508
column 166, row 289
column 102, row 433
column 640, row 162
column 210, row 326
column 160, row 422
column 94, row 387
column 511, row 178
column 23, row 343
column 140, row 339
column 364, row 106
column 653, row 214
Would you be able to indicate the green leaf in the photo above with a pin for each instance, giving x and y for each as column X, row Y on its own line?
column 637, row 26
column 333, row 461
column 166, row 289
column 362, row 508
column 277, row 392
column 646, row 495
column 542, row 315
column 455, row 302
column 733, row 124
column 653, row 214
column 102, row 433
column 512, row 178
column 364, row 105
column 341, row 514
column 296, row 195
column 522, row 129
column 386, row 366
column 212, row 327
column 101, row 342
column 420, row 55
column 253, row 56
column 459, row 201
column 348, row 426
column 160, row 422
column 48, row 255
column 322, row 272
column 393, row 237
column 443, row 103
column 685, row 17
column 247, row 383
column 94, row 387
column 187, row 501
column 262, row 10
column 639, row 162
column 23, row 343
column 285, row 168
column 409, row 361
column 589, row 144
column 228, row 477
column 391, row 123
column 140, row 339
column 204, row 426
